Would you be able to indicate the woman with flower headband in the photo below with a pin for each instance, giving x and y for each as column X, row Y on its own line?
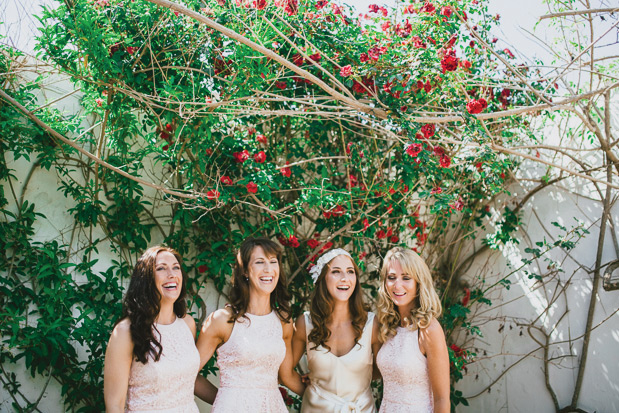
column 252, row 334
column 413, row 360
column 340, row 337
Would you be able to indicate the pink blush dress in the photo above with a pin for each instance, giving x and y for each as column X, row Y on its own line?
column 248, row 365
column 406, row 384
column 166, row 386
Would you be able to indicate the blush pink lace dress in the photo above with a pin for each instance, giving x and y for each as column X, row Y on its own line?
column 406, row 385
column 166, row 386
column 248, row 365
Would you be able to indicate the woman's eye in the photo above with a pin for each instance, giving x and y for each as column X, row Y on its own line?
column 391, row 278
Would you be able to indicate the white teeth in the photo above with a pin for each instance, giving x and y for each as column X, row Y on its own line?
column 266, row 279
column 399, row 294
column 343, row 287
column 169, row 285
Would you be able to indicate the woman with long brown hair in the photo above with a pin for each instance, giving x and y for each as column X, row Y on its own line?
column 340, row 337
column 252, row 334
column 151, row 360
column 413, row 360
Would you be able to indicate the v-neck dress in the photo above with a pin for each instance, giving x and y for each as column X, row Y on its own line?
column 340, row 384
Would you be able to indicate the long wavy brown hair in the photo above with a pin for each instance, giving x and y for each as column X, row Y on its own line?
column 322, row 304
column 427, row 303
column 239, row 293
column 142, row 304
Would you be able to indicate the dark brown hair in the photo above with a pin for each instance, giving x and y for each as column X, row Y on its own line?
column 239, row 293
column 321, row 309
column 142, row 304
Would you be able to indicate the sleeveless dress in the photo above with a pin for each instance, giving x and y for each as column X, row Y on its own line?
column 248, row 365
column 166, row 386
column 406, row 384
column 340, row 384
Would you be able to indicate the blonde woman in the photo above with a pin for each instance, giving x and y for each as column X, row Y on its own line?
column 413, row 359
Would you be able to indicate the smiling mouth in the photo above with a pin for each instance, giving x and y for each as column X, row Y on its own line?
column 266, row 279
column 170, row 286
column 343, row 287
column 399, row 294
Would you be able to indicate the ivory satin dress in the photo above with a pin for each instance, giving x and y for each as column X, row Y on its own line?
column 340, row 384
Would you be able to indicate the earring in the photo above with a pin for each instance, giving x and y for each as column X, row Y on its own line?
column 246, row 278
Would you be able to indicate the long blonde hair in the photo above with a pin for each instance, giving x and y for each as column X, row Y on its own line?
column 427, row 304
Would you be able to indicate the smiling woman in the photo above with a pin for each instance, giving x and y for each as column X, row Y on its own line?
column 154, row 341
column 340, row 337
column 252, row 334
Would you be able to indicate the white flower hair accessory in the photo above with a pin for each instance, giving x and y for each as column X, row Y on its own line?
column 325, row 258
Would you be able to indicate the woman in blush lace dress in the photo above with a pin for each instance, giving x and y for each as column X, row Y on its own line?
column 340, row 338
column 252, row 334
column 151, row 360
column 413, row 360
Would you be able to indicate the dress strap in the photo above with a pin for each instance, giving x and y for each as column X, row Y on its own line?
column 308, row 325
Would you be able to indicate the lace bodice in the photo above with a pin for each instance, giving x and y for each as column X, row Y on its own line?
column 248, row 365
column 340, row 384
column 166, row 385
column 405, row 374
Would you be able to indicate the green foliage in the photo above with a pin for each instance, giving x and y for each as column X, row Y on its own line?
column 250, row 148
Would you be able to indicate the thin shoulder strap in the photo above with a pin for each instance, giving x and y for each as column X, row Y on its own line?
column 308, row 325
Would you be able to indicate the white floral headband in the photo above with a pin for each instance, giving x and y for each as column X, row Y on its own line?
column 325, row 258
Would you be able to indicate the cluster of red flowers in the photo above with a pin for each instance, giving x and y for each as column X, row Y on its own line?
column 476, row 106
column 336, row 211
column 291, row 7
column 378, row 9
column 449, row 61
column 291, row 241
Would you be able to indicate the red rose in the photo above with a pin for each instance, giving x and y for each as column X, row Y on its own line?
column 445, row 161
column 475, row 106
column 346, row 71
column 131, row 49
column 446, row 11
column 436, row 190
column 226, row 180
column 242, row 156
column 212, row 194
column 428, row 130
column 286, row 171
column 260, row 157
column 381, row 234
column 202, row 269
column 457, row 350
column 439, row 151
column 366, row 224
column 449, row 62
column 315, row 57
column 281, row 85
column 414, row 149
column 363, row 57
column 394, row 239
column 428, row 8
column 261, row 138
column 252, row 188
column 313, row 243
